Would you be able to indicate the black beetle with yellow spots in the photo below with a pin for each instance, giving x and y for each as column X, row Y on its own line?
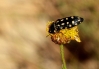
column 64, row 23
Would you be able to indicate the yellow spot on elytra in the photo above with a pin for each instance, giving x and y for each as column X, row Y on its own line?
column 70, row 25
column 67, row 22
column 62, row 19
column 73, row 22
column 72, row 17
column 63, row 24
column 66, row 18
column 58, row 25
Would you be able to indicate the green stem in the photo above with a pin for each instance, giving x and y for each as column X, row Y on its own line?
column 62, row 56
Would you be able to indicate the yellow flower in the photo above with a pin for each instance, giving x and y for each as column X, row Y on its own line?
column 65, row 35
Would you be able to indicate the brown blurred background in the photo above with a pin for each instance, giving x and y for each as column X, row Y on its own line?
column 23, row 42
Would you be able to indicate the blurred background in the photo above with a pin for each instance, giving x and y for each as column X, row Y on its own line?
column 23, row 42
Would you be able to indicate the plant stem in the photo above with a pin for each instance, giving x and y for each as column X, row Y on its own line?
column 62, row 56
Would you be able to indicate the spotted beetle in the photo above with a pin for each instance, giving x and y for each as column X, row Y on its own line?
column 67, row 22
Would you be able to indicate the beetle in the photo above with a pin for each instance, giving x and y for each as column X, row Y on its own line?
column 64, row 23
